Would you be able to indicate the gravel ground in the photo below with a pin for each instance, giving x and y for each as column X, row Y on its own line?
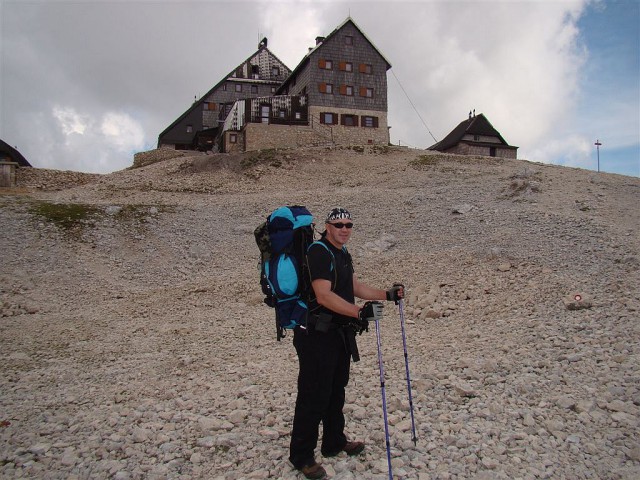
column 135, row 345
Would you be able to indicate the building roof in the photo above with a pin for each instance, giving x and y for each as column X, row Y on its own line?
column 305, row 60
column 229, row 76
column 14, row 155
column 474, row 125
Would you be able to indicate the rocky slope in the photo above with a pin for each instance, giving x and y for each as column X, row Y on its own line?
column 134, row 341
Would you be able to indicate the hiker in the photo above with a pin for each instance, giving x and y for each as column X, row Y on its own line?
column 327, row 344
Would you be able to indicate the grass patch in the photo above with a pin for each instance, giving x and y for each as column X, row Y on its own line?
column 73, row 219
column 66, row 216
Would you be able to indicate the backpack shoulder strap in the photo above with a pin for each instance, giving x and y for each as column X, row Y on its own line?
column 333, row 261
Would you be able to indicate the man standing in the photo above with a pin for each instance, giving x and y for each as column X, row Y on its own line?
column 325, row 347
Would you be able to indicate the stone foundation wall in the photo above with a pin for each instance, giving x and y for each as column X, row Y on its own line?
column 343, row 135
column 238, row 145
column 259, row 136
column 465, row 149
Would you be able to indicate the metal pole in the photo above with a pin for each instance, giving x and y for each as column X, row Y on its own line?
column 384, row 400
column 597, row 144
column 406, row 366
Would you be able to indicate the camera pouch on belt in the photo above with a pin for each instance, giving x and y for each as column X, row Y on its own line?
column 321, row 321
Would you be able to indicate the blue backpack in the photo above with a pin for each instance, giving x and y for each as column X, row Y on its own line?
column 283, row 241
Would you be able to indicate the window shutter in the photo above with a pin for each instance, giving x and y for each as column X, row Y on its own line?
column 375, row 122
column 342, row 66
column 322, row 87
column 322, row 114
column 335, row 118
column 322, row 63
column 355, row 120
column 363, row 68
column 343, row 89
column 363, row 91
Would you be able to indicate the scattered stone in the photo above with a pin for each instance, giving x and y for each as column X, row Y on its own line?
column 163, row 362
column 577, row 301
column 462, row 209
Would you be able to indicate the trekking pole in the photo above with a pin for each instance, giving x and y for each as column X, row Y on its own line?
column 384, row 398
column 406, row 366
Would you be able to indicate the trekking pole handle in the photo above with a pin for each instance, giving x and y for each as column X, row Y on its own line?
column 371, row 311
column 392, row 293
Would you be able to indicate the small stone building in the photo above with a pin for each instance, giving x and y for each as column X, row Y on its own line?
column 10, row 159
column 476, row 136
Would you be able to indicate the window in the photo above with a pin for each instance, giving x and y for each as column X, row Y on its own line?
column 282, row 113
column 254, row 89
column 298, row 116
column 255, row 71
column 369, row 122
column 348, row 40
column 209, row 106
column 366, row 68
column 366, row 92
column 275, row 71
column 348, row 67
column 325, row 64
column 273, row 89
column 346, row 90
column 224, row 87
column 238, row 87
column 325, row 88
column 329, row 118
column 189, row 128
column 349, row 120
column 233, row 138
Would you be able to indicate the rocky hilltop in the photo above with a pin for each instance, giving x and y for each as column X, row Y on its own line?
column 135, row 344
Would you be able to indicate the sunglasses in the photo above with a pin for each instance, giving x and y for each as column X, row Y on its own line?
column 340, row 225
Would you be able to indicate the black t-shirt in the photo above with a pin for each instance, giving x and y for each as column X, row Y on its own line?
column 321, row 267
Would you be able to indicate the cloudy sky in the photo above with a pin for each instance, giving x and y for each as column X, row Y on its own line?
column 84, row 84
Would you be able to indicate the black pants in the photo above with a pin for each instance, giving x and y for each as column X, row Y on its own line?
column 324, row 374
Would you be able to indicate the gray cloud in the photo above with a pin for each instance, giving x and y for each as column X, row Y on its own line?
column 86, row 84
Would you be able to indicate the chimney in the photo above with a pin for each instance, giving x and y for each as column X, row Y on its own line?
column 319, row 40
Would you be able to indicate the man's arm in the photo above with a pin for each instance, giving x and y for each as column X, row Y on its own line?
column 332, row 301
column 366, row 292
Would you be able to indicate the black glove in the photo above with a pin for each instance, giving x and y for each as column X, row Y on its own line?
column 396, row 293
column 371, row 311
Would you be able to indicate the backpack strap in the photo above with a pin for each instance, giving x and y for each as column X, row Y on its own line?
column 333, row 261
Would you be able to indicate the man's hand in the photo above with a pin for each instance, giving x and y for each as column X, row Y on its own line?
column 371, row 311
column 396, row 293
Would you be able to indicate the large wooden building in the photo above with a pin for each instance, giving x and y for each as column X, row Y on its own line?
column 345, row 80
column 336, row 95
column 258, row 76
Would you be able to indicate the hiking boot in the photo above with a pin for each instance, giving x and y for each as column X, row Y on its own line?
column 314, row 471
column 351, row 449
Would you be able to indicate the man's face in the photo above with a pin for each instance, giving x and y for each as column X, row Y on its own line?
column 339, row 231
